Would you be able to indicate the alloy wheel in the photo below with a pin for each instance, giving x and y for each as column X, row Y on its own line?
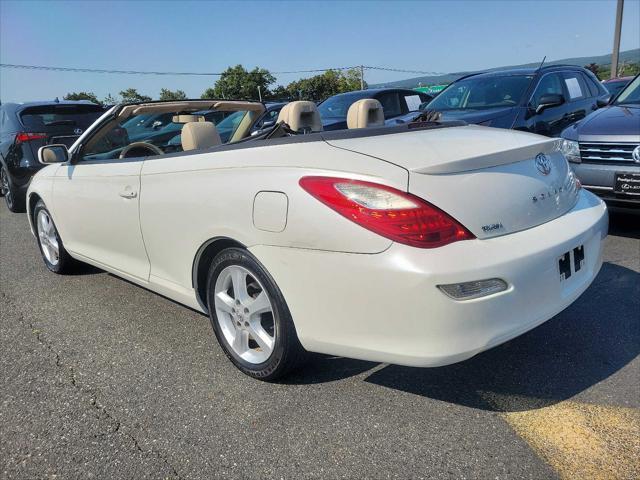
column 244, row 314
column 48, row 237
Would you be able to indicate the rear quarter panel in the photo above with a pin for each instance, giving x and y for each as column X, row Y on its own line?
column 187, row 200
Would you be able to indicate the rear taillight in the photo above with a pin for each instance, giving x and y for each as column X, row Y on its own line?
column 28, row 136
column 396, row 215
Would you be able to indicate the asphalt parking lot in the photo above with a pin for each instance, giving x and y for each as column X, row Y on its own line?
column 102, row 379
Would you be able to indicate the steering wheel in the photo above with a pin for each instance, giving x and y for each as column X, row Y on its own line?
column 134, row 148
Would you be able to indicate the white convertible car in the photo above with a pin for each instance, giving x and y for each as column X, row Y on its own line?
column 420, row 244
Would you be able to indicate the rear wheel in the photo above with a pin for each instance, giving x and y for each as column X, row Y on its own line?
column 52, row 249
column 250, row 318
column 9, row 191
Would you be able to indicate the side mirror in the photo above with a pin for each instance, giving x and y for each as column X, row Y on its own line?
column 604, row 101
column 549, row 100
column 53, row 154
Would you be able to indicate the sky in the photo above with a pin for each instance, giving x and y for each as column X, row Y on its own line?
column 433, row 36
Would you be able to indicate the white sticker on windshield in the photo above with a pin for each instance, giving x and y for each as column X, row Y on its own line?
column 413, row 102
column 574, row 87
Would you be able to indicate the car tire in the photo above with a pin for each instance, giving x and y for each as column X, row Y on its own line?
column 253, row 324
column 55, row 256
column 8, row 190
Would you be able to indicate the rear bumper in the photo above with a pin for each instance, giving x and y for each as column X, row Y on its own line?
column 386, row 307
column 599, row 179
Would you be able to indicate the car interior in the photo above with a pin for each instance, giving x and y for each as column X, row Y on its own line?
column 186, row 126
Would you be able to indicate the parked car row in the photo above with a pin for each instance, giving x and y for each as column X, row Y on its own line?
column 545, row 101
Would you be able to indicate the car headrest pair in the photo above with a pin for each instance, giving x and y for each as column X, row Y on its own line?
column 303, row 116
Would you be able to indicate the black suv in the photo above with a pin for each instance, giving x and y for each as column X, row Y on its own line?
column 24, row 128
column 544, row 100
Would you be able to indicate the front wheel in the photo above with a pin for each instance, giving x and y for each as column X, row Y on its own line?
column 52, row 249
column 250, row 317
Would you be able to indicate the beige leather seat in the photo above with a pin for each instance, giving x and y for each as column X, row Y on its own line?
column 199, row 135
column 301, row 116
column 365, row 113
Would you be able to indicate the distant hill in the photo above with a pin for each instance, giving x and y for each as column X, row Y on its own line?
column 626, row 56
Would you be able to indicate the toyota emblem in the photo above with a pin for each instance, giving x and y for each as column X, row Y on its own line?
column 636, row 154
column 543, row 164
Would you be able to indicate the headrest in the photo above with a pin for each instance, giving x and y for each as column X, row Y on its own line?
column 199, row 135
column 187, row 118
column 301, row 116
column 365, row 113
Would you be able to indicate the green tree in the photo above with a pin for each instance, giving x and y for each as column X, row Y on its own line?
column 279, row 93
column 131, row 95
column 82, row 96
column 325, row 85
column 350, row 80
column 239, row 83
column 110, row 100
column 594, row 68
column 166, row 94
column 208, row 94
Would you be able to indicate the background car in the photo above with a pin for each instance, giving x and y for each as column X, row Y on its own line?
column 269, row 117
column 26, row 127
column 395, row 102
column 544, row 100
column 615, row 85
column 604, row 149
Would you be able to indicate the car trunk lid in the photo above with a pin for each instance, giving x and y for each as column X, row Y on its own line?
column 492, row 181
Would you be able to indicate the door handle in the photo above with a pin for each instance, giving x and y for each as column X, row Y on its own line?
column 128, row 194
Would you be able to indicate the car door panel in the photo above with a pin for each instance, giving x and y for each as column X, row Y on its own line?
column 97, row 207
column 552, row 120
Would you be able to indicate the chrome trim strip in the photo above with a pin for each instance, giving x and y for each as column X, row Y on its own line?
column 612, row 159
column 601, row 150
column 604, row 139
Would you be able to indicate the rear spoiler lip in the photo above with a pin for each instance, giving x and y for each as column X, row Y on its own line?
column 548, row 146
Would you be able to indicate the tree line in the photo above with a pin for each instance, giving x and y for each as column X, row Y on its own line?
column 240, row 83
column 625, row 69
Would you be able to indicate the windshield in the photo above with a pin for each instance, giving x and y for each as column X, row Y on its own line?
column 482, row 92
column 150, row 134
column 229, row 125
column 630, row 95
column 338, row 106
column 141, row 123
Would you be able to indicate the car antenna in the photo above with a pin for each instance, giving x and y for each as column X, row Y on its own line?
column 533, row 77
